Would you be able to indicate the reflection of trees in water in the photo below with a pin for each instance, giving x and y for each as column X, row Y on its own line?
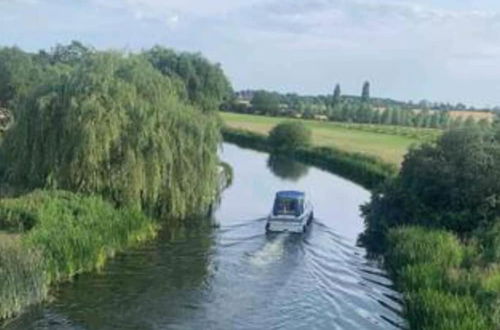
column 286, row 168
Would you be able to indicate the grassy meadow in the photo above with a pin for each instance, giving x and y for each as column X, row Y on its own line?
column 385, row 143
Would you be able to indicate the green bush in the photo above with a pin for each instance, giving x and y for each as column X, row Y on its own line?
column 71, row 233
column 415, row 245
column 77, row 233
column 289, row 136
column 450, row 185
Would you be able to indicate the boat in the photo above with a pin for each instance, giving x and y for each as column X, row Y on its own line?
column 292, row 212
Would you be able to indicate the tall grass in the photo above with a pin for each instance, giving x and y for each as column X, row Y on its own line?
column 71, row 234
column 445, row 283
column 22, row 277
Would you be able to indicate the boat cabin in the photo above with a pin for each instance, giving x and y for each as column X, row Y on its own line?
column 289, row 203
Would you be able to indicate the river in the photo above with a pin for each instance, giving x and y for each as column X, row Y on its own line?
column 228, row 274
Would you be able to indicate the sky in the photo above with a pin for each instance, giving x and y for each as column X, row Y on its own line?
column 440, row 50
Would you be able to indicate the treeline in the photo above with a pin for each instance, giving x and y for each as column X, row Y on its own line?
column 438, row 224
column 111, row 143
column 195, row 79
column 351, row 109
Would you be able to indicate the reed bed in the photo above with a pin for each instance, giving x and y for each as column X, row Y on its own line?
column 71, row 234
column 446, row 283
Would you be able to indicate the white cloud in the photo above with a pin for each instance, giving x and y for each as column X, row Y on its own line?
column 409, row 49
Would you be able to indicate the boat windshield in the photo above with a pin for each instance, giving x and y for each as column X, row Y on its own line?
column 288, row 206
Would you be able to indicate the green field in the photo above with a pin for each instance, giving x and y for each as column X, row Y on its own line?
column 389, row 147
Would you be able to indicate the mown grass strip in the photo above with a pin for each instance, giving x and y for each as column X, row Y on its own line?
column 389, row 143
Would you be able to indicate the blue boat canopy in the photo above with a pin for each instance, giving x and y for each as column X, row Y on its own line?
column 289, row 203
column 292, row 194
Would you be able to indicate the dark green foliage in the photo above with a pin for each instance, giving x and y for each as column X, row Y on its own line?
column 114, row 125
column 451, row 188
column 365, row 95
column 289, row 136
column 491, row 242
column 452, row 184
column 18, row 74
column 337, row 94
column 365, row 170
column 205, row 83
column 71, row 54
column 266, row 102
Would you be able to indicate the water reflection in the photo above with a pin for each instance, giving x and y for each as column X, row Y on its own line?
column 286, row 168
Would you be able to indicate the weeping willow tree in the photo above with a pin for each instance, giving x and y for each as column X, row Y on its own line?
column 115, row 126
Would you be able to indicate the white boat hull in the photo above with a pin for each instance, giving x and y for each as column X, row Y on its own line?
column 289, row 223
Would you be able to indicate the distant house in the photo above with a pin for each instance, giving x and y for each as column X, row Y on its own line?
column 320, row 117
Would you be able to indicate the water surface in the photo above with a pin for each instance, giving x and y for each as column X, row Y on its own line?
column 233, row 275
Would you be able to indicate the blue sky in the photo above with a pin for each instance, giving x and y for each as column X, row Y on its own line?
column 439, row 50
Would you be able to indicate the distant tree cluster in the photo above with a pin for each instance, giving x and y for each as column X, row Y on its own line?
column 353, row 109
column 452, row 184
column 197, row 80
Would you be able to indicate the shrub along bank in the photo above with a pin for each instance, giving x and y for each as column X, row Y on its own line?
column 438, row 225
column 365, row 170
column 60, row 234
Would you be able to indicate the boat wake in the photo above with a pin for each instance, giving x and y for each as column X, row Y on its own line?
column 271, row 251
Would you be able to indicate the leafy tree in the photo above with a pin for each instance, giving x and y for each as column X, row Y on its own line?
column 266, row 102
column 205, row 83
column 290, row 135
column 365, row 95
column 71, row 54
column 452, row 185
column 114, row 126
column 336, row 95
column 17, row 74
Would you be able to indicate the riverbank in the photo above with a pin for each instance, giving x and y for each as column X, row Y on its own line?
column 365, row 170
column 438, row 226
column 54, row 235
column 389, row 143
